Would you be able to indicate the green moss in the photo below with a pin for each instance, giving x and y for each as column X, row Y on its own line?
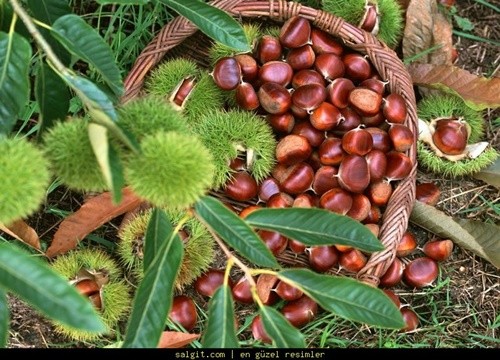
column 223, row 132
column 172, row 171
column 24, row 179
column 72, row 158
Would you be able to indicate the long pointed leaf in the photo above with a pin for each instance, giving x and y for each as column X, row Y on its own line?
column 220, row 331
column 214, row 22
column 234, row 231
column 82, row 40
column 346, row 297
column 153, row 299
column 34, row 282
column 158, row 231
column 315, row 227
column 284, row 334
column 52, row 96
column 123, row 2
column 4, row 318
column 15, row 54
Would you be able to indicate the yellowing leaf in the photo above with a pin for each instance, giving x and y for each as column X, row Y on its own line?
column 22, row 232
column 175, row 339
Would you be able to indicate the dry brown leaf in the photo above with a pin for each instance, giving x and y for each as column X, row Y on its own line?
column 265, row 285
column 418, row 29
column 442, row 36
column 478, row 92
column 93, row 214
column 490, row 175
column 22, row 232
column 175, row 339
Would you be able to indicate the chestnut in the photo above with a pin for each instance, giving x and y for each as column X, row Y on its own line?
column 295, row 32
column 241, row 291
column 360, row 207
column 374, row 229
column 357, row 142
column 407, row 244
column 428, row 193
column 394, row 108
column 268, row 49
column 274, row 98
column 181, row 94
column 282, row 123
column 278, row 72
column 314, row 160
column 336, row 200
column 393, row 274
column 377, row 165
column 354, row 174
column 322, row 42
column 410, row 319
column 248, row 65
column 325, row 179
column 241, row 187
column 306, row 200
column 246, row 97
column 265, row 288
column 379, row 192
column 300, row 312
column 338, row 92
column 373, row 216
column 357, row 67
column 301, row 58
column 297, row 178
column 292, row 149
column 401, row 136
column 238, row 164
column 296, row 246
column 87, row 287
column 309, row 97
column 208, row 282
column 288, row 292
column 248, row 210
column 307, row 130
column 365, row 101
column 421, row 272
column 450, row 136
column 280, row 200
column 227, row 73
column 322, row 258
column 352, row 260
column 343, row 248
column 331, row 152
column 258, row 331
column 373, row 120
column 351, row 121
column 96, row 301
column 325, row 117
column 307, row 76
column 438, row 250
column 183, row 312
column 399, row 166
column 370, row 20
column 268, row 188
column 330, row 66
column 393, row 297
column 381, row 140
column 374, row 84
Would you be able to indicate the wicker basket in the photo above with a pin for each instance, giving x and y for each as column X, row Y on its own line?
column 181, row 36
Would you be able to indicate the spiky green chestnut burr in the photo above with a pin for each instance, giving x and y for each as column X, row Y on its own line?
column 198, row 246
column 24, row 178
column 166, row 78
column 172, row 171
column 448, row 106
column 72, row 158
column 149, row 115
column 96, row 276
column 219, row 50
column 229, row 134
column 390, row 23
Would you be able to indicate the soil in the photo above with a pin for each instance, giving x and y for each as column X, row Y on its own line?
column 473, row 280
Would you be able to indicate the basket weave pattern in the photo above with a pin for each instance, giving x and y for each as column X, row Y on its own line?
column 385, row 61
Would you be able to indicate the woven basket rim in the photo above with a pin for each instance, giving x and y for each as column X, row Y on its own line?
column 385, row 60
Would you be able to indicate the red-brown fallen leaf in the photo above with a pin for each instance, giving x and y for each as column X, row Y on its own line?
column 93, row 214
column 265, row 285
column 478, row 92
column 175, row 339
column 418, row 29
column 22, row 232
column 442, row 36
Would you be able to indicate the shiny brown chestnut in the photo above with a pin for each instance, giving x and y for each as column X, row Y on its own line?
column 401, row 136
column 381, row 140
column 438, row 250
column 374, row 215
column 377, row 165
column 241, row 187
column 314, row 160
column 392, row 295
column 182, row 92
column 357, row 67
column 295, row 32
column 407, row 244
column 309, row 97
column 248, row 210
column 322, row 42
column 325, row 179
column 410, row 319
column 306, row 200
column 374, row 120
column 313, row 135
column 357, row 141
column 325, row 117
column 267, row 188
column 282, row 123
column 352, row 260
column 280, row 200
column 393, row 274
column 288, row 292
column 208, row 282
column 268, row 49
column 428, row 193
column 301, row 58
column 450, row 136
column 338, row 92
column 399, row 166
column 421, row 272
column 331, row 152
column 296, row 246
column 246, row 97
column 301, row 311
column 370, row 20
column 258, row 331
column 184, row 312
column 242, row 292
column 351, row 121
column 274, row 98
column 248, row 65
column 354, row 175
column 278, row 72
column 379, row 192
column 292, row 149
column 227, row 73
column 394, row 108
column 87, row 287
column 330, row 66
column 374, row 229
column 365, row 101
column 360, row 207
column 307, row 76
column 297, row 178
column 322, row 258
column 274, row 241
column 336, row 200
column 374, row 84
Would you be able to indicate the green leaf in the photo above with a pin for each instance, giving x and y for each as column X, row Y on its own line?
column 315, row 227
column 153, row 298
column 4, row 318
column 107, row 158
column 213, row 22
column 234, row 231
column 123, row 2
column 158, row 231
column 52, row 96
column 220, row 331
column 346, row 297
column 48, row 11
column 284, row 334
column 82, row 40
column 15, row 54
column 34, row 282
column 463, row 23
